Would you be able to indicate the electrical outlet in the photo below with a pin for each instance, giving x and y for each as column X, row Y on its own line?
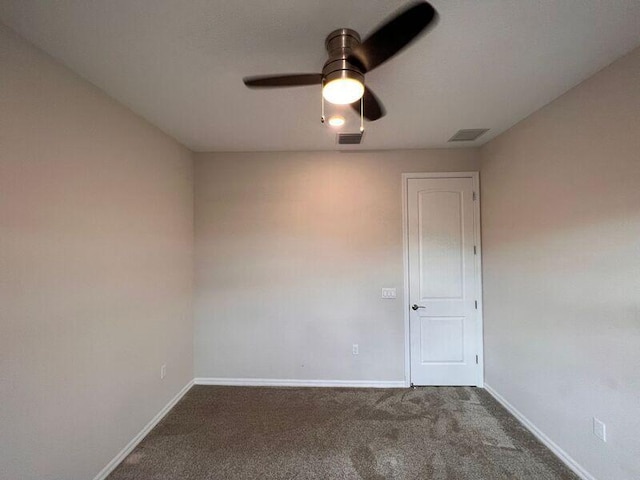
column 599, row 429
column 163, row 372
column 355, row 350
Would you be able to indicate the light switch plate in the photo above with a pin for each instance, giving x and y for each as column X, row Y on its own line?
column 388, row 293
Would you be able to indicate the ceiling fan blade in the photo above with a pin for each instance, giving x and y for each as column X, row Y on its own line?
column 373, row 109
column 273, row 81
column 393, row 36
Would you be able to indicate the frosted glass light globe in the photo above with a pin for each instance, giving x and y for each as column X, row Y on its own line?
column 343, row 91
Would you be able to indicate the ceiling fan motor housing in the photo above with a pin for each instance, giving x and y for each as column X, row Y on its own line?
column 339, row 44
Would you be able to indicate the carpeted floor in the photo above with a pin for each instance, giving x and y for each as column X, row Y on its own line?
column 442, row 433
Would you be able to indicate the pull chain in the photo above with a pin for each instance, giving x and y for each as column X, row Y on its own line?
column 362, row 114
column 322, row 102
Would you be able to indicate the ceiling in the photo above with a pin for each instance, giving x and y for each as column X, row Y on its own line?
column 180, row 63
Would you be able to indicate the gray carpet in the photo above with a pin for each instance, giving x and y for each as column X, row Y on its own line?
column 442, row 433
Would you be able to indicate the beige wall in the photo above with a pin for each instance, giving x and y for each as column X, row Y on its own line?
column 561, row 250
column 95, row 270
column 292, row 250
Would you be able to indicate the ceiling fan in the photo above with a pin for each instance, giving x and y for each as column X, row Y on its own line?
column 342, row 76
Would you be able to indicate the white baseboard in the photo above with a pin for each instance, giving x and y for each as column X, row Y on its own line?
column 275, row 382
column 104, row 473
column 550, row 444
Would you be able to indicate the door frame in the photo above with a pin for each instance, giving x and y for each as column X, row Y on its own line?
column 478, row 267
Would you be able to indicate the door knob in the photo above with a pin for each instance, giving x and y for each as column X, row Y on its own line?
column 415, row 307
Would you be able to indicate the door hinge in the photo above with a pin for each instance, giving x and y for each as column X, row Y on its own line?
column 476, row 359
column 474, row 196
column 475, row 251
column 476, row 302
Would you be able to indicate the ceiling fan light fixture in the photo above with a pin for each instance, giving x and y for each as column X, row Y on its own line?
column 343, row 91
column 343, row 87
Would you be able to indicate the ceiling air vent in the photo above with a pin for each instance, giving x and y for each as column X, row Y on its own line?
column 349, row 138
column 468, row 135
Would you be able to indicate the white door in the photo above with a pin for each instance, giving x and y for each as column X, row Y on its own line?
column 444, row 330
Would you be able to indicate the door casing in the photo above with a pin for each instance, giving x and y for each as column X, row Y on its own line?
column 478, row 267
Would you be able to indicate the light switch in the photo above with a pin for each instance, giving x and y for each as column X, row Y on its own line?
column 388, row 293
